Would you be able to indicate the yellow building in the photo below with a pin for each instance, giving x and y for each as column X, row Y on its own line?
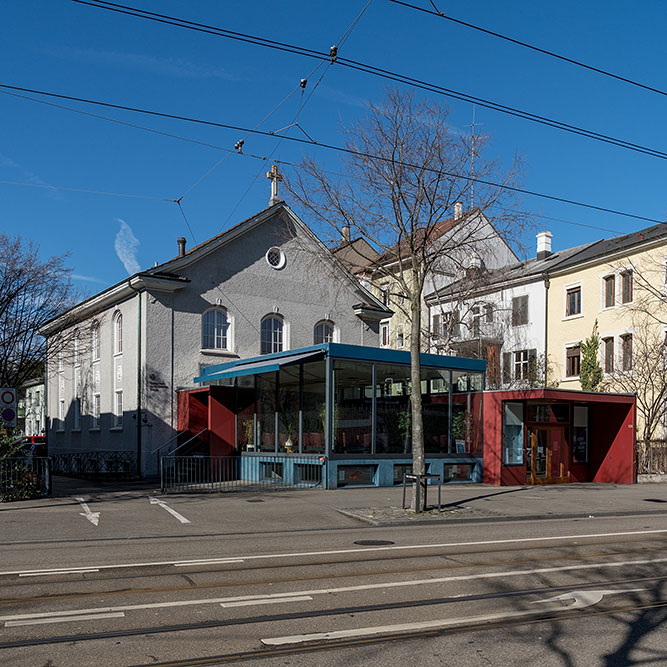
column 620, row 283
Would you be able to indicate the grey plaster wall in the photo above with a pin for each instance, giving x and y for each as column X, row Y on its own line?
column 235, row 276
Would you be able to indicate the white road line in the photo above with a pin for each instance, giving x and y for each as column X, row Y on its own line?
column 250, row 603
column 297, row 554
column 63, row 619
column 211, row 561
column 47, row 573
column 164, row 506
column 345, row 589
column 93, row 517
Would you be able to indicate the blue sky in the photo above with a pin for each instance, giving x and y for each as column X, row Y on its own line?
column 68, row 48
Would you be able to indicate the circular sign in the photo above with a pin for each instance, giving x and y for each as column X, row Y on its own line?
column 8, row 415
column 8, row 396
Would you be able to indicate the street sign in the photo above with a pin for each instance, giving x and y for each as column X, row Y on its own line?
column 8, row 407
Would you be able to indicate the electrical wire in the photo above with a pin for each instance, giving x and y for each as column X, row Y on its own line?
column 333, row 147
column 545, row 52
column 374, row 71
column 81, row 190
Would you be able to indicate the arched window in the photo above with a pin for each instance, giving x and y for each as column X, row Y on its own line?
column 117, row 333
column 272, row 334
column 95, row 340
column 215, row 329
column 324, row 332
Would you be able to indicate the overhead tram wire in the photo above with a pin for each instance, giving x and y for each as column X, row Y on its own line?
column 303, row 102
column 435, row 12
column 333, row 147
column 263, row 158
column 84, row 191
column 375, row 71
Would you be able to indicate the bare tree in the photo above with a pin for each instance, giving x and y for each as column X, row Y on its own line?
column 642, row 370
column 405, row 171
column 32, row 292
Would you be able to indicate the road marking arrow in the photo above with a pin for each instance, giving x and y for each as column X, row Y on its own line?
column 582, row 599
column 93, row 517
column 164, row 506
column 587, row 598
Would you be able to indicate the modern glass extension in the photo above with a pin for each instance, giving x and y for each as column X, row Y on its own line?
column 348, row 407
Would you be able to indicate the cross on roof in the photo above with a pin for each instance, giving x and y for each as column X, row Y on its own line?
column 275, row 178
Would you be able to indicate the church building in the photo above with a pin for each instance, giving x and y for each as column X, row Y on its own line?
column 264, row 286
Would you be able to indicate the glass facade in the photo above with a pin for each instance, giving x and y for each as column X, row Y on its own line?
column 284, row 411
column 513, row 434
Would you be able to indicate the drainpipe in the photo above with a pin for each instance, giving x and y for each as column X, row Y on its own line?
column 139, row 385
column 546, row 327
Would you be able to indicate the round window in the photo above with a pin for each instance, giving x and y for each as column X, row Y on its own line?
column 275, row 257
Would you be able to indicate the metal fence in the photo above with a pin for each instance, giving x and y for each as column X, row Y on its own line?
column 652, row 457
column 25, row 478
column 116, row 464
column 201, row 474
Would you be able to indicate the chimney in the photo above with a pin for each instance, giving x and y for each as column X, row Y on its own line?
column 346, row 233
column 458, row 210
column 543, row 245
column 181, row 246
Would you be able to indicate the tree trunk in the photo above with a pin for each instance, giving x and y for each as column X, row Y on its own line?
column 418, row 461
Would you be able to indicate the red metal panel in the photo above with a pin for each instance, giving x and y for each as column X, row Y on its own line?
column 221, row 421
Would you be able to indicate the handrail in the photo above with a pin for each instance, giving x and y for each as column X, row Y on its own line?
column 187, row 441
column 168, row 441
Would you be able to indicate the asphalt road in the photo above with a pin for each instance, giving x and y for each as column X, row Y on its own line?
column 559, row 592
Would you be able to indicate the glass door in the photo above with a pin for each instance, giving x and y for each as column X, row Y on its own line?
column 545, row 455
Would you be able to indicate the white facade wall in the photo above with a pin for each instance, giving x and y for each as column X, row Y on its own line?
column 512, row 338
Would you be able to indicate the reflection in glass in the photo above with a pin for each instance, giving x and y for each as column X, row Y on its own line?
column 266, row 411
column 467, row 413
column 435, row 410
column 353, row 407
column 394, row 419
column 314, row 413
column 288, row 409
column 513, row 433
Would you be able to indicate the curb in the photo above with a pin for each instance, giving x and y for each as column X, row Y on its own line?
column 506, row 518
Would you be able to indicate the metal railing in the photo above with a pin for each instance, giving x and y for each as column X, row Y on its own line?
column 201, row 474
column 117, row 464
column 652, row 457
column 25, row 478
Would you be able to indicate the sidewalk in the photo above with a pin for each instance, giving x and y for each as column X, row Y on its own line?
column 467, row 503
column 475, row 503
column 280, row 510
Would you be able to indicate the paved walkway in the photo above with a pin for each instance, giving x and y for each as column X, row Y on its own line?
column 310, row 509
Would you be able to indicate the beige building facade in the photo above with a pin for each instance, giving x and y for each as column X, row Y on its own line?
column 621, row 284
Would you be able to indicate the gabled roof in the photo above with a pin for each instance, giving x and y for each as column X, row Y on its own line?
column 402, row 249
column 561, row 261
column 165, row 276
column 618, row 244
column 356, row 256
column 513, row 274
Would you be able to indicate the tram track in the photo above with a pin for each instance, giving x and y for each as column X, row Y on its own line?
column 398, row 636
column 339, row 611
column 190, row 587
